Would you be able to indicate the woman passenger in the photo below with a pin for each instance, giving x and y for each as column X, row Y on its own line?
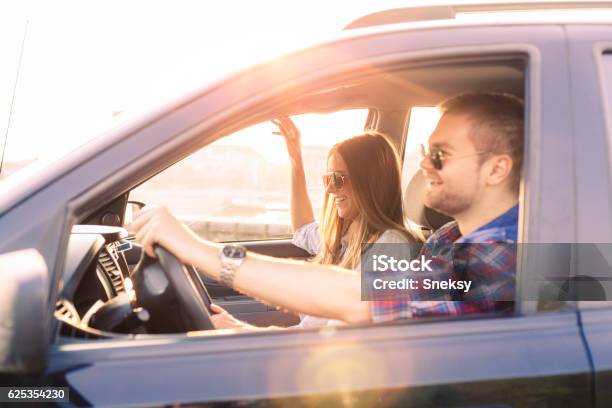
column 362, row 205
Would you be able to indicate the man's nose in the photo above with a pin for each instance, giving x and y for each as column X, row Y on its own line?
column 426, row 164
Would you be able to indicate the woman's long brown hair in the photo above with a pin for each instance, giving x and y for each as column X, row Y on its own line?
column 374, row 173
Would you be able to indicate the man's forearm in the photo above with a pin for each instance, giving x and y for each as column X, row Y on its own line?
column 302, row 287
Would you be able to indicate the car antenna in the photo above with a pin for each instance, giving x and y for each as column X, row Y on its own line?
column 8, row 125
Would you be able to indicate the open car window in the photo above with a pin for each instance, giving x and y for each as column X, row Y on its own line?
column 238, row 188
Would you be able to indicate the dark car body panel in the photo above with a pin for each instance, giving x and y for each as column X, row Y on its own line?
column 293, row 363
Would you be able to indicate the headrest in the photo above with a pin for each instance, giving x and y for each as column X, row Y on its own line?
column 414, row 207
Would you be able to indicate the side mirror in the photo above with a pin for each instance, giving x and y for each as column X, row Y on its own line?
column 24, row 332
column 132, row 208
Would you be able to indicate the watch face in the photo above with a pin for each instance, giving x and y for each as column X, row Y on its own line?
column 234, row 251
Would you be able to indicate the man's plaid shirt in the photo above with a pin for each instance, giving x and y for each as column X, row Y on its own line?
column 486, row 257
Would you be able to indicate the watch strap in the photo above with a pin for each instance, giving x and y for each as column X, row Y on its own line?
column 228, row 273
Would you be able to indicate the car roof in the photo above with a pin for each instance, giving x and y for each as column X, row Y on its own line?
column 488, row 11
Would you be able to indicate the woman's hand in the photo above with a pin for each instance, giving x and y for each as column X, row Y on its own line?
column 222, row 319
column 157, row 225
column 292, row 136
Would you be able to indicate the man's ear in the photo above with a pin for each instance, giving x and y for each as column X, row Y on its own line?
column 498, row 169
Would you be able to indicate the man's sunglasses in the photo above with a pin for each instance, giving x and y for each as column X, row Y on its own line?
column 335, row 179
column 436, row 156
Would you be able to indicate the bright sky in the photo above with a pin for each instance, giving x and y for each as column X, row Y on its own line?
column 84, row 60
column 316, row 129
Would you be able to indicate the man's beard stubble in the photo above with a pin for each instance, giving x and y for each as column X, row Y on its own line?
column 448, row 203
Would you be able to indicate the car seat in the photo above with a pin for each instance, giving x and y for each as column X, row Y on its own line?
column 427, row 220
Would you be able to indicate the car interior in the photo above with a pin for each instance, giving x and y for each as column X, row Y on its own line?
column 110, row 289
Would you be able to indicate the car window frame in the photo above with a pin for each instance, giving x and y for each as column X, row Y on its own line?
column 179, row 148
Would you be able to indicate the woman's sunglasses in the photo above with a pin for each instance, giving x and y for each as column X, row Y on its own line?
column 335, row 179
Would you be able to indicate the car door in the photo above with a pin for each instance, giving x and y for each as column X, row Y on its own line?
column 524, row 362
column 532, row 358
column 590, row 51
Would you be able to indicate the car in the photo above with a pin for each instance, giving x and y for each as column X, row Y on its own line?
column 82, row 309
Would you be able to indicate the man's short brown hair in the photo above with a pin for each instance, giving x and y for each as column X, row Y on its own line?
column 497, row 125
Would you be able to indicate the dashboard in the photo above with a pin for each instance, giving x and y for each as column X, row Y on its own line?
column 97, row 295
column 110, row 288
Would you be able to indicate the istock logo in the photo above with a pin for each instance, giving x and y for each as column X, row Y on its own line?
column 384, row 263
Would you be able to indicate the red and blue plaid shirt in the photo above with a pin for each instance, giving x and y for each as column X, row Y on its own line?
column 486, row 257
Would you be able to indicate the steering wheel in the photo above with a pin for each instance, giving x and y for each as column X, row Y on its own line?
column 185, row 289
column 158, row 281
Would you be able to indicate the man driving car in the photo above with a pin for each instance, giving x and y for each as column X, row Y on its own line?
column 472, row 164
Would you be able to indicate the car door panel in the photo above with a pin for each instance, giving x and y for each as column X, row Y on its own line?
column 597, row 326
column 591, row 137
column 471, row 362
column 591, row 119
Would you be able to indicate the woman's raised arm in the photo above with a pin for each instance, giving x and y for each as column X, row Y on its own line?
column 301, row 207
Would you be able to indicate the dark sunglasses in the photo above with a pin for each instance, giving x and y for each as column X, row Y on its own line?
column 335, row 179
column 436, row 156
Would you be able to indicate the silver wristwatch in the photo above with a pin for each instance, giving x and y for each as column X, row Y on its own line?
column 231, row 257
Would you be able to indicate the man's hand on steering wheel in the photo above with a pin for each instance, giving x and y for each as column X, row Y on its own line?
column 157, row 225
column 170, row 241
